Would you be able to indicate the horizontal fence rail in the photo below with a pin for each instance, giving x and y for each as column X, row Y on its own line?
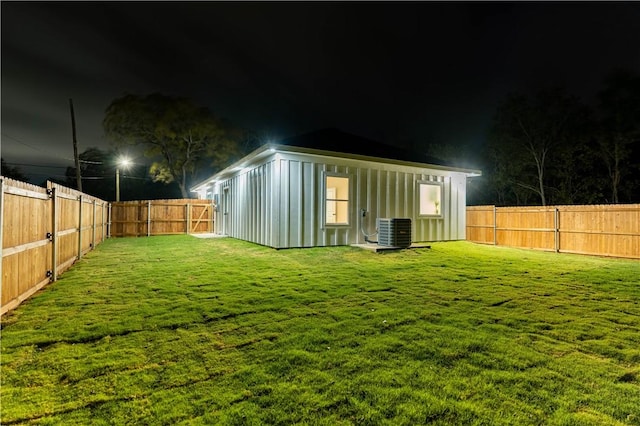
column 43, row 231
column 161, row 217
column 603, row 230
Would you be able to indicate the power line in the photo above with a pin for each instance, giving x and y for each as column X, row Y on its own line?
column 45, row 152
column 22, row 143
column 35, row 165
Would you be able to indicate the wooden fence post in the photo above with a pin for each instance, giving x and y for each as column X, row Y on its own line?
column 54, row 233
column 495, row 226
column 106, row 208
column 102, row 223
column 556, row 225
column 139, row 220
column 109, row 221
column 1, row 232
column 149, row 218
column 188, row 218
column 93, row 227
column 80, row 227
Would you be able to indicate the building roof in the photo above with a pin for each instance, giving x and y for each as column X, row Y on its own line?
column 335, row 140
column 336, row 143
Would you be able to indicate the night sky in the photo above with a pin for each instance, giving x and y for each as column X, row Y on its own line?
column 401, row 73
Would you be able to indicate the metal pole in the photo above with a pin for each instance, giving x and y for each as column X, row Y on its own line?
column 117, row 184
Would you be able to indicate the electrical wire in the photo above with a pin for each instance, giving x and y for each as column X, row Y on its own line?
column 35, row 165
column 45, row 152
column 366, row 236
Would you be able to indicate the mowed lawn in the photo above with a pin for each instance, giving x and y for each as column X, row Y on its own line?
column 180, row 330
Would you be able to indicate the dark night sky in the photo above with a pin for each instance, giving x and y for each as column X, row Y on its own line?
column 395, row 72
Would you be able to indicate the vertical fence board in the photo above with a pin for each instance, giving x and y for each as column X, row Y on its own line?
column 603, row 230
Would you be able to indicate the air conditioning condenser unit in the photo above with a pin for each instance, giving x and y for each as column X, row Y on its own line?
column 394, row 232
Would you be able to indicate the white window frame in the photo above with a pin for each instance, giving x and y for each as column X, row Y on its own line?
column 325, row 199
column 439, row 205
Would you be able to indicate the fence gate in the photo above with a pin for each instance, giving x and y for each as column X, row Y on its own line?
column 200, row 215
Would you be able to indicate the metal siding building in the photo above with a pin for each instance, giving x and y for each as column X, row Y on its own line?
column 277, row 196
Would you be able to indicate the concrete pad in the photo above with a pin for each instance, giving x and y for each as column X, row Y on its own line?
column 378, row 248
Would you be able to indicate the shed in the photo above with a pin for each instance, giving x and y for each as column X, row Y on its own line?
column 329, row 188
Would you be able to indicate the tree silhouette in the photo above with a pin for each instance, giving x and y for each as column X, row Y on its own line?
column 174, row 131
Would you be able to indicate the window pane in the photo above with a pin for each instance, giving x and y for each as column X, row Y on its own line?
column 337, row 200
column 430, row 199
column 342, row 212
column 341, row 185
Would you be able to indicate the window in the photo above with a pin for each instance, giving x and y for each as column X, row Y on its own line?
column 430, row 198
column 336, row 200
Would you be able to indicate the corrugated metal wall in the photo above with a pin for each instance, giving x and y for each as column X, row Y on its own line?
column 281, row 202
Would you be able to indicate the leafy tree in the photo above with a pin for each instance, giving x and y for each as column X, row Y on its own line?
column 506, row 169
column 178, row 134
column 527, row 134
column 574, row 176
column 12, row 172
column 98, row 178
column 619, row 133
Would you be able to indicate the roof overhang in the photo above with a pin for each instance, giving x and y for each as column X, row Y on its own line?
column 324, row 153
column 272, row 149
column 246, row 161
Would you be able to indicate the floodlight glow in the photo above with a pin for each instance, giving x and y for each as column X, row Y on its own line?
column 123, row 162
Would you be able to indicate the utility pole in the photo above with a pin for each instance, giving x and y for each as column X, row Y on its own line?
column 117, row 184
column 75, row 147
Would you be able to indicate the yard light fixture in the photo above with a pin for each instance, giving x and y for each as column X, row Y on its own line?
column 124, row 163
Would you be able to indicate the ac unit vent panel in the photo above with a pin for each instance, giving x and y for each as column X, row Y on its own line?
column 394, row 232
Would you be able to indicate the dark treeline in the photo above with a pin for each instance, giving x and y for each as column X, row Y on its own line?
column 12, row 172
column 550, row 148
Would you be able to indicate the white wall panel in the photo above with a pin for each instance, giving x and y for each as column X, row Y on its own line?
column 280, row 203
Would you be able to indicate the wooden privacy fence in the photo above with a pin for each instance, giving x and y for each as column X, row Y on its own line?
column 43, row 231
column 161, row 217
column 604, row 230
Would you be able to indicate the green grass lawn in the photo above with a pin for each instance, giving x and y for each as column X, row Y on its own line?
column 179, row 330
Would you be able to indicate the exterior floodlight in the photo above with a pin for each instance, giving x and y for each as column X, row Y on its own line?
column 123, row 162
